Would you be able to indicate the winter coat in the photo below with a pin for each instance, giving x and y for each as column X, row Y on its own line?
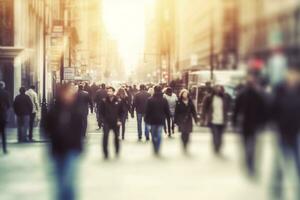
column 64, row 127
column 4, row 104
column 184, row 114
column 23, row 105
column 111, row 111
column 140, row 101
column 157, row 109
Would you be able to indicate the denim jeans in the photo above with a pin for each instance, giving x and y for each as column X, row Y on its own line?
column 23, row 124
column 66, row 170
column 156, row 131
column 217, row 132
column 140, row 117
column 286, row 165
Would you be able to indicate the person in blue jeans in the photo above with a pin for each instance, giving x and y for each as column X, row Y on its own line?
column 64, row 127
column 139, row 104
column 157, row 110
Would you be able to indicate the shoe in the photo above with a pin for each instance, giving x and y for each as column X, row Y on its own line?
column 147, row 139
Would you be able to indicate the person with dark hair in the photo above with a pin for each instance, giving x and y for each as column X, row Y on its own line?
column 23, row 108
column 249, row 114
column 101, row 94
column 111, row 111
column 63, row 125
column 4, row 106
column 157, row 110
column 139, row 104
column 84, row 101
column 215, row 107
column 35, row 102
column 126, row 106
column 172, row 99
column 185, row 112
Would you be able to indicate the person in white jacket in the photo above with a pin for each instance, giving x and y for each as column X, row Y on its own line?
column 34, row 99
column 172, row 99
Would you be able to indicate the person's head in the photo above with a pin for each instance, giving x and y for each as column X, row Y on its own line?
column 22, row 90
column 66, row 94
column 121, row 93
column 80, row 87
column 151, row 91
column 134, row 86
column 103, row 86
column 169, row 91
column 157, row 90
column 142, row 87
column 32, row 87
column 2, row 85
column 110, row 91
column 184, row 94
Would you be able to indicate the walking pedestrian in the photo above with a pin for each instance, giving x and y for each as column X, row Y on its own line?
column 215, row 107
column 126, row 106
column 64, row 127
column 83, row 102
column 172, row 99
column 185, row 112
column 111, row 111
column 285, row 113
column 249, row 115
column 88, row 89
column 35, row 102
column 139, row 104
column 4, row 106
column 101, row 94
column 157, row 110
column 23, row 109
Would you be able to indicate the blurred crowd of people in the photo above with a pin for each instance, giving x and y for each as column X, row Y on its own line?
column 266, row 100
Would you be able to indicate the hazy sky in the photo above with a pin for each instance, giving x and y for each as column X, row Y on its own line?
column 124, row 20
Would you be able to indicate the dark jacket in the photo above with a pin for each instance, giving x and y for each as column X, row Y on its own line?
column 101, row 94
column 140, row 101
column 184, row 114
column 126, row 105
column 208, row 107
column 64, row 127
column 285, row 112
column 4, row 104
column 84, row 101
column 111, row 111
column 157, row 109
column 250, row 110
column 23, row 105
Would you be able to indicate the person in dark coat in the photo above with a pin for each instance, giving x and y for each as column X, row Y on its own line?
column 111, row 111
column 88, row 89
column 215, row 108
column 285, row 113
column 249, row 114
column 23, row 108
column 63, row 125
column 185, row 112
column 101, row 94
column 126, row 106
column 157, row 110
column 139, row 105
column 4, row 106
column 83, row 102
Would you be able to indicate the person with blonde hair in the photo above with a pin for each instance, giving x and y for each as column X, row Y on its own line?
column 185, row 112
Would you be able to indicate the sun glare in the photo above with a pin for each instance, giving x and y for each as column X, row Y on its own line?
column 124, row 21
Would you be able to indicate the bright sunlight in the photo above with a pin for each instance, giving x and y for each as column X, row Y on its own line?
column 124, row 21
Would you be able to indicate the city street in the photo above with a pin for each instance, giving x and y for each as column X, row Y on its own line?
column 137, row 174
